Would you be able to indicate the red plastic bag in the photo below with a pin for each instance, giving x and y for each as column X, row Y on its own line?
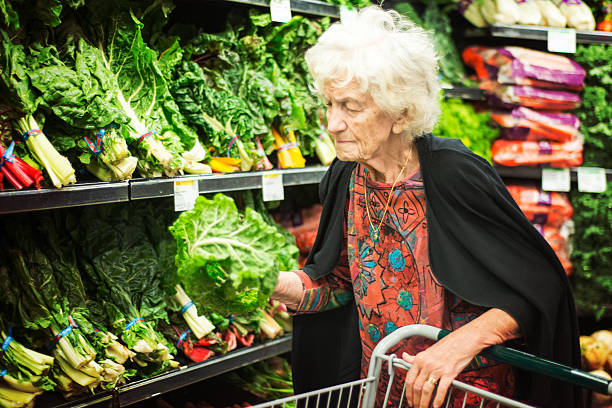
column 526, row 124
column 558, row 243
column 547, row 208
column 527, row 153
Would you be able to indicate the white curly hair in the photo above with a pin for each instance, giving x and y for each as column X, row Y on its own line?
column 389, row 57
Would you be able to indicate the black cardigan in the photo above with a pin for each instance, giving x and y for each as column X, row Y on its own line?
column 481, row 247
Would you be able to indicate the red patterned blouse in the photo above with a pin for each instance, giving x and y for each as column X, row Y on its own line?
column 390, row 278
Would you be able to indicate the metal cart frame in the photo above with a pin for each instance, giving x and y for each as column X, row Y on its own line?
column 362, row 393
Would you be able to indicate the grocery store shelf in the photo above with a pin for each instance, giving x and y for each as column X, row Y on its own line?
column 102, row 399
column 541, row 33
column 311, row 7
column 469, row 94
column 535, row 173
column 220, row 182
column 70, row 196
column 145, row 389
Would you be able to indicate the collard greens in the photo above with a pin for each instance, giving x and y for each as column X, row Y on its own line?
column 228, row 261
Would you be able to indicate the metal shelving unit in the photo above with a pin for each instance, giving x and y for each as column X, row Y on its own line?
column 145, row 389
column 535, row 173
column 70, row 196
column 311, row 7
column 185, row 375
column 222, row 182
column 541, row 34
column 137, row 189
column 468, row 94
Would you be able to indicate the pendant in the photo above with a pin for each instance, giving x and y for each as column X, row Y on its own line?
column 374, row 235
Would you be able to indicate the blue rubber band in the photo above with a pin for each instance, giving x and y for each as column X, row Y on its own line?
column 133, row 323
column 186, row 307
column 6, row 342
column 3, row 373
column 231, row 318
column 182, row 337
column 31, row 132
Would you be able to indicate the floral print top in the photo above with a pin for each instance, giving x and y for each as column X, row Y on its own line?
column 390, row 278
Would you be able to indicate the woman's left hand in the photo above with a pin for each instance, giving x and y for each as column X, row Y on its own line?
column 439, row 365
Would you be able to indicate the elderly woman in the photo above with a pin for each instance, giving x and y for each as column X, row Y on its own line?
column 417, row 229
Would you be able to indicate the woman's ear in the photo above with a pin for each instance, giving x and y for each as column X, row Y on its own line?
column 401, row 122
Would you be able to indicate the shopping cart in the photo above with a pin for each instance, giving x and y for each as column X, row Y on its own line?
column 362, row 393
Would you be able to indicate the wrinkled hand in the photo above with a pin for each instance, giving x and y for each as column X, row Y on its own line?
column 441, row 362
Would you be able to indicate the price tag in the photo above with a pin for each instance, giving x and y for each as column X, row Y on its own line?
column 591, row 179
column 562, row 40
column 272, row 186
column 556, row 179
column 185, row 194
column 280, row 10
column 347, row 14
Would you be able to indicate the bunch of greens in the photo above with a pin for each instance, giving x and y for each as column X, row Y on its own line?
column 592, row 250
column 122, row 265
column 17, row 92
column 596, row 108
column 42, row 307
column 269, row 379
column 459, row 120
column 227, row 260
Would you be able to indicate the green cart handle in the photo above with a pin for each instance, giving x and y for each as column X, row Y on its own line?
column 539, row 365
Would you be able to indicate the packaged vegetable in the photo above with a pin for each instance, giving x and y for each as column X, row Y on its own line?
column 551, row 14
column 525, row 153
column 500, row 11
column 523, row 66
column 526, row 124
column 558, row 243
column 471, row 11
column 578, row 14
column 529, row 13
column 546, row 208
column 606, row 19
column 509, row 96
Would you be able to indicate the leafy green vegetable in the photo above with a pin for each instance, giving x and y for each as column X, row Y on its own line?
column 121, row 262
column 228, row 261
column 596, row 108
column 459, row 120
column 592, row 250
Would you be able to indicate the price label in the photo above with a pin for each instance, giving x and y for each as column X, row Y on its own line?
column 272, row 186
column 591, row 179
column 280, row 10
column 347, row 14
column 556, row 179
column 562, row 40
column 185, row 194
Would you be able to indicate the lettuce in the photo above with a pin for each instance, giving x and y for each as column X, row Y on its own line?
column 228, row 261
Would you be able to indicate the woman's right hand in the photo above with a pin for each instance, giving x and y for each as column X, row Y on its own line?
column 288, row 289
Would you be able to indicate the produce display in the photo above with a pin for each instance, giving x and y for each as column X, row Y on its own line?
column 528, row 90
column 110, row 92
column 552, row 13
column 596, row 351
column 459, row 120
column 98, row 296
column 592, row 250
column 550, row 213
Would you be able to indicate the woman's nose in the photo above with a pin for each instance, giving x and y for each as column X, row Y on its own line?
column 335, row 122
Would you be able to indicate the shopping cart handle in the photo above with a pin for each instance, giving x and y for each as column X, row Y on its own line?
column 539, row 365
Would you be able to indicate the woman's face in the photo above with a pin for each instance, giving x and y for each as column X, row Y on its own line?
column 360, row 128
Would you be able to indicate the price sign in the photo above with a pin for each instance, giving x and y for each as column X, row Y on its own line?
column 347, row 14
column 562, row 40
column 591, row 179
column 556, row 179
column 272, row 186
column 280, row 10
column 185, row 194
